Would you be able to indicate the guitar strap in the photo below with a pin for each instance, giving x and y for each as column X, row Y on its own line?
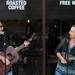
column 65, row 47
column 66, row 50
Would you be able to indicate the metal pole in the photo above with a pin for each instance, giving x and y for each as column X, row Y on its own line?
column 44, row 35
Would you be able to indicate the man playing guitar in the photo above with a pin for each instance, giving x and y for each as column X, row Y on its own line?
column 7, row 53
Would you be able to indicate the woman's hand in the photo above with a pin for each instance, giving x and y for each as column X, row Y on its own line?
column 61, row 58
column 63, row 61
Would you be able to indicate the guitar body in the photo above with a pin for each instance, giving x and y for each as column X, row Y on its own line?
column 12, row 55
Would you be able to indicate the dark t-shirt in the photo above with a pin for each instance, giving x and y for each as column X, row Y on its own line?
column 62, row 46
column 4, row 41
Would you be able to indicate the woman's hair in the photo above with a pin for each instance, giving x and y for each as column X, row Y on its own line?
column 3, row 24
column 73, row 25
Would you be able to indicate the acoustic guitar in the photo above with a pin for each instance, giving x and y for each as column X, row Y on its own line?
column 12, row 54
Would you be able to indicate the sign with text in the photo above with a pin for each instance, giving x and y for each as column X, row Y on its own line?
column 67, row 2
column 16, row 4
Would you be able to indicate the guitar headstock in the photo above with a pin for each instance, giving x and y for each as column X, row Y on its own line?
column 32, row 37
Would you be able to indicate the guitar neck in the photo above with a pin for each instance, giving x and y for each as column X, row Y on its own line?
column 20, row 47
column 30, row 39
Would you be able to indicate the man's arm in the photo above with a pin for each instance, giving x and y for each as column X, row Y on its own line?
column 26, row 43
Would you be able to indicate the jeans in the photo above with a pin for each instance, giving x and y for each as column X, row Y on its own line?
column 9, row 73
column 58, row 73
